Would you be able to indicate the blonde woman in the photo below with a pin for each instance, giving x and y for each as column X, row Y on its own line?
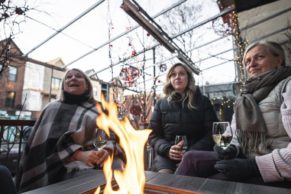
column 183, row 111
column 61, row 142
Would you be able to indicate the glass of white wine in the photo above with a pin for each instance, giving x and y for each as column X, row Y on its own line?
column 222, row 134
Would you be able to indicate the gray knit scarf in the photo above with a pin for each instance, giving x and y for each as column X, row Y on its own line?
column 250, row 124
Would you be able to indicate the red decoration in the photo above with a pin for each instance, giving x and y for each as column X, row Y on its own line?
column 133, row 53
column 129, row 74
column 135, row 109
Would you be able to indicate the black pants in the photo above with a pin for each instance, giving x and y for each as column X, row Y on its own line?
column 7, row 185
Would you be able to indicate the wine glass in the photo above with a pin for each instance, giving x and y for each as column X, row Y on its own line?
column 179, row 138
column 100, row 141
column 222, row 134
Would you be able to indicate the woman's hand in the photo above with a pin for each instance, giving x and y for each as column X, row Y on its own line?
column 91, row 157
column 103, row 155
column 176, row 152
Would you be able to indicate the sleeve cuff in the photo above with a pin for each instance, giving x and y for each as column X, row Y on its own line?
column 267, row 168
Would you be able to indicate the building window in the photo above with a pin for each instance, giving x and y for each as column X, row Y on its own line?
column 12, row 73
column 104, row 91
column 56, row 83
column 10, row 99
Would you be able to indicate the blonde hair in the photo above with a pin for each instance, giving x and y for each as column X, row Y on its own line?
column 190, row 89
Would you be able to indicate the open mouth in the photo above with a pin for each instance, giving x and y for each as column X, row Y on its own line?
column 74, row 85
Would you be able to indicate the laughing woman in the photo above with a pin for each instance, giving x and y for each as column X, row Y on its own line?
column 183, row 111
column 59, row 144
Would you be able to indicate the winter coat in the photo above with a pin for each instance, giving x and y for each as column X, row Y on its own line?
column 175, row 118
column 274, row 162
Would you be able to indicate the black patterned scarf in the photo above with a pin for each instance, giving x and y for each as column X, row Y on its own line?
column 251, row 127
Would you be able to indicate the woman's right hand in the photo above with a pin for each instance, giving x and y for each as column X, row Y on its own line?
column 176, row 151
column 91, row 157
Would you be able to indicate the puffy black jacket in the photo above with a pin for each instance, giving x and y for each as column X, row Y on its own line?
column 174, row 118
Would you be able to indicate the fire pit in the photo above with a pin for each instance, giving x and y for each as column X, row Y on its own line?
column 131, row 179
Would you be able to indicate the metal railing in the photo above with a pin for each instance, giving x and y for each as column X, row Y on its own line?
column 13, row 136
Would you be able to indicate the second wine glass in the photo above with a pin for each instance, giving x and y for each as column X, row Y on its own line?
column 101, row 140
column 222, row 134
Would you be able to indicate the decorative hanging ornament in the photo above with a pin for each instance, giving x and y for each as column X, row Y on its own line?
column 135, row 109
column 163, row 67
column 129, row 74
column 133, row 53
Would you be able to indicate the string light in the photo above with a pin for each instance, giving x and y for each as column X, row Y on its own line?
column 240, row 44
column 222, row 105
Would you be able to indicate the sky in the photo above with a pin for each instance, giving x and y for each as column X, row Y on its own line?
column 108, row 21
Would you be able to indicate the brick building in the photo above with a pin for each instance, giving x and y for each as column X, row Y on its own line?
column 11, row 76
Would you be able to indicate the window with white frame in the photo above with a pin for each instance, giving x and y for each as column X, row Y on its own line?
column 12, row 76
column 56, row 83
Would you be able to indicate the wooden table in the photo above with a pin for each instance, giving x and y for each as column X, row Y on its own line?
column 94, row 178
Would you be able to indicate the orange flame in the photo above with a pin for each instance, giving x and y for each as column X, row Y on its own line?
column 131, row 179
